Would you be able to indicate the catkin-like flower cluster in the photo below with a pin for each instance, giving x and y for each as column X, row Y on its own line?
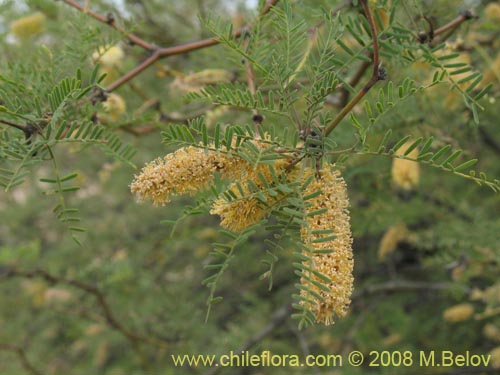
column 245, row 209
column 190, row 170
column 28, row 26
column 186, row 171
column 458, row 313
column 336, row 265
column 327, row 278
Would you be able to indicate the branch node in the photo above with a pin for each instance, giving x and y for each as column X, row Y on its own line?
column 382, row 74
column 98, row 95
column 110, row 19
column 467, row 14
column 258, row 119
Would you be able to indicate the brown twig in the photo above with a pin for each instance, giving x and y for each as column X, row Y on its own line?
column 157, row 52
column 344, row 96
column 464, row 16
column 112, row 23
column 374, row 78
column 252, row 87
column 448, row 28
column 24, row 128
column 23, row 358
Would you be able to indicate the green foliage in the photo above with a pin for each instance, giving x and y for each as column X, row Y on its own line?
column 94, row 282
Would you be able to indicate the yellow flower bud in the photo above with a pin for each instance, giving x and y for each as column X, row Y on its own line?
column 492, row 74
column 109, row 56
column 492, row 12
column 196, row 81
column 491, row 332
column 383, row 15
column 391, row 238
column 115, row 106
column 28, row 26
column 495, row 357
column 458, row 313
column 406, row 173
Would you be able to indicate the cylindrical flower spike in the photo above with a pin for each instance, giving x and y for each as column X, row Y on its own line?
column 458, row 313
column 188, row 171
column 239, row 213
column 327, row 228
column 28, row 26
column 244, row 209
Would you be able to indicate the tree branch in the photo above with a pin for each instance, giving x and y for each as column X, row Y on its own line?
column 157, row 52
column 374, row 78
column 448, row 28
column 99, row 296
column 110, row 21
column 23, row 358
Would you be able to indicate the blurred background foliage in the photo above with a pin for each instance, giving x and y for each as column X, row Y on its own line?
column 417, row 253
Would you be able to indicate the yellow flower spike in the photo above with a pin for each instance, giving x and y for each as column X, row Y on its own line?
column 491, row 332
column 109, row 56
column 186, row 171
column 495, row 357
column 246, row 210
column 492, row 74
column 196, row 81
column 406, row 173
column 383, row 15
column 390, row 239
column 458, row 313
column 492, row 12
column 28, row 26
column 115, row 105
column 336, row 265
column 238, row 214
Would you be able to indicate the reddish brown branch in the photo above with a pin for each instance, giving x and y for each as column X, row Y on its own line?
column 344, row 96
column 157, row 52
column 374, row 78
column 112, row 23
column 23, row 358
column 446, row 29
column 464, row 16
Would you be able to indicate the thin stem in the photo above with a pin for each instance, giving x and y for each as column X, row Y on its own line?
column 452, row 24
column 138, row 69
column 101, row 300
column 23, row 358
column 375, row 75
column 353, row 82
column 112, row 23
